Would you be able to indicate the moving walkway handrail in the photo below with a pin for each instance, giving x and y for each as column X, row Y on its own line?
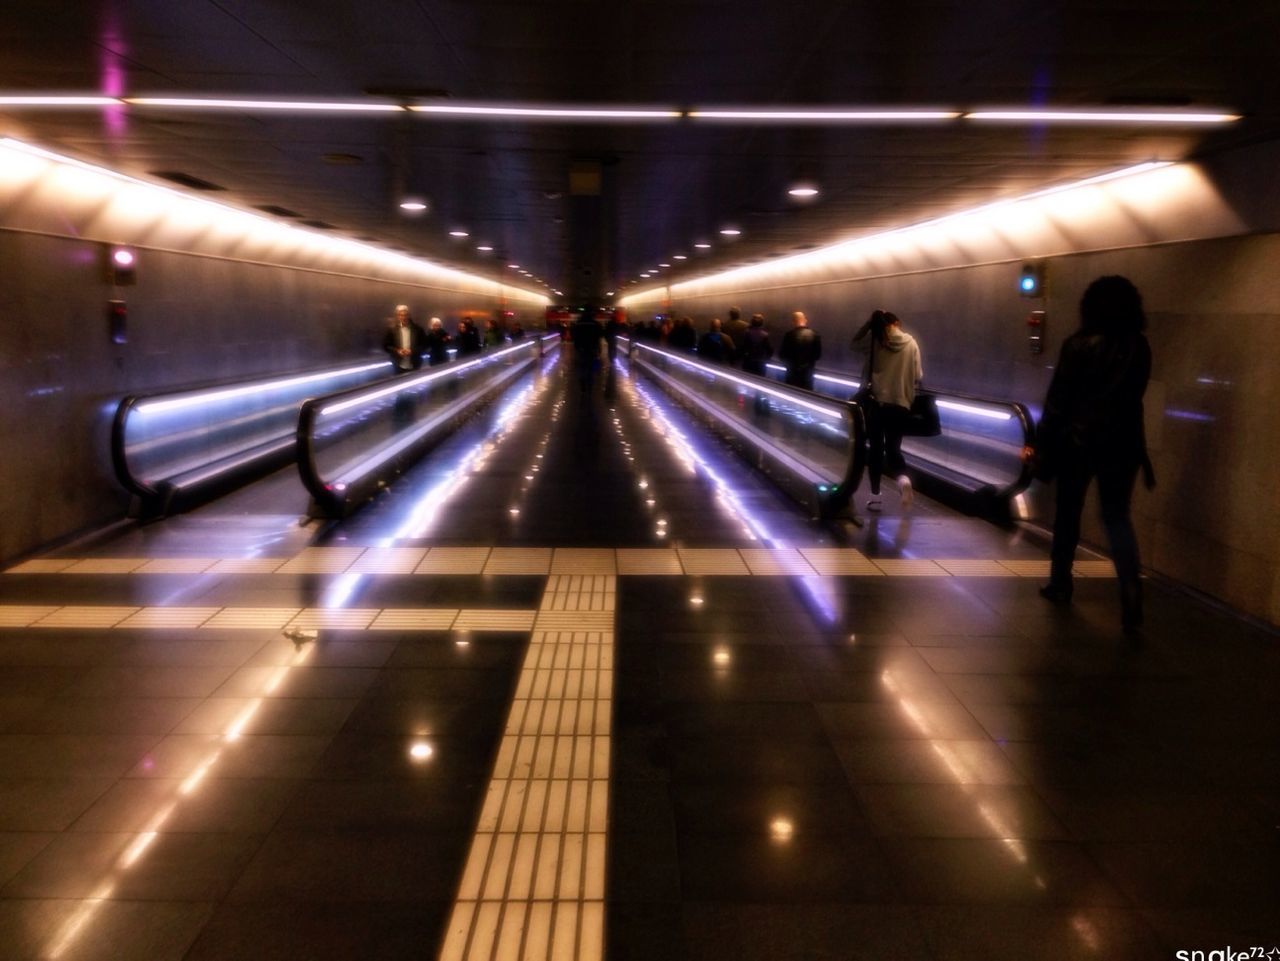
column 812, row 439
column 216, row 434
column 952, row 404
column 352, row 443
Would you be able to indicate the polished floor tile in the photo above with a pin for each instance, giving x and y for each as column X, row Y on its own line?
column 830, row 742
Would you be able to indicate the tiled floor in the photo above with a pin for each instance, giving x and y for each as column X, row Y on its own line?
column 554, row 695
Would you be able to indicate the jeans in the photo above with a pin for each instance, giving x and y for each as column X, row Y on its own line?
column 885, row 426
column 1115, row 491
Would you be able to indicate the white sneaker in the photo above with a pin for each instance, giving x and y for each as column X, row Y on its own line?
column 905, row 491
column 873, row 503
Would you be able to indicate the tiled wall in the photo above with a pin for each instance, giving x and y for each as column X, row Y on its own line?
column 191, row 319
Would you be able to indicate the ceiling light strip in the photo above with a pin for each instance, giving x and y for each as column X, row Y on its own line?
column 545, row 112
column 248, row 218
column 1103, row 116
column 58, row 100
column 824, row 115
column 798, row 261
column 344, row 106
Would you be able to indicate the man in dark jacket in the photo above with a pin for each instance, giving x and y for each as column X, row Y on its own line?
column 715, row 347
column 800, row 349
column 405, row 341
column 1093, row 427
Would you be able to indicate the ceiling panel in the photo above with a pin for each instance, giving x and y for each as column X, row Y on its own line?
column 668, row 185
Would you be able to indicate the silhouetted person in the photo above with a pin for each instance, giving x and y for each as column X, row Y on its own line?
column 1093, row 427
column 468, row 338
column 716, row 347
column 437, row 343
column 683, row 337
column 736, row 330
column 800, row 350
column 755, row 348
column 614, row 328
column 889, row 380
column 586, row 334
column 494, row 335
column 405, row 341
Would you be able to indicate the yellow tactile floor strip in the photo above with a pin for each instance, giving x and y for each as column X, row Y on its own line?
column 85, row 616
column 402, row 561
column 22, row 615
column 248, row 565
column 519, row 560
column 454, row 560
column 177, row 565
column 353, row 619
column 41, row 565
column 839, row 560
column 323, row 560
column 908, row 567
column 1028, row 568
column 962, row 567
column 175, row 617
column 534, row 882
column 106, row 565
column 280, row 618
column 252, row 618
column 1094, row 569
column 389, row 560
column 647, row 560
column 584, row 560
column 713, row 561
column 494, row 620
column 763, row 561
column 408, row 619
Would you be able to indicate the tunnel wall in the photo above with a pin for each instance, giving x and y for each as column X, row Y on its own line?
column 210, row 302
column 1213, row 405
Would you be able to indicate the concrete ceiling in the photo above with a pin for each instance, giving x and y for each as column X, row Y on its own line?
column 665, row 186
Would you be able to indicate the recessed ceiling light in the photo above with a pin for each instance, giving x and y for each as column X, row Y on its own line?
column 804, row 191
column 413, row 205
column 703, row 246
column 483, row 248
column 513, row 266
column 458, row 233
column 680, row 257
column 664, row 265
column 730, row 231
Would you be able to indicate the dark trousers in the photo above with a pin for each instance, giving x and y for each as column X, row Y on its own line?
column 800, row 376
column 1115, row 491
column 885, row 426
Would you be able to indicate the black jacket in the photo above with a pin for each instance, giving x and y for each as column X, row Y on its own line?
column 417, row 344
column 1094, row 404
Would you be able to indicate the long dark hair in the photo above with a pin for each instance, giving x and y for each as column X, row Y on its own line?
column 879, row 323
column 1112, row 306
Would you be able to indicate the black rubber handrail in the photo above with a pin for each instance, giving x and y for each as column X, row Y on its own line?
column 155, row 497
column 838, row 496
column 330, row 500
column 1019, row 411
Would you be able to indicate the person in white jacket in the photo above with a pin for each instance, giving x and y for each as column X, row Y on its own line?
column 889, row 380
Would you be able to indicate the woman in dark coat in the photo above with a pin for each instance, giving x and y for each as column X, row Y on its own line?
column 1093, row 427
